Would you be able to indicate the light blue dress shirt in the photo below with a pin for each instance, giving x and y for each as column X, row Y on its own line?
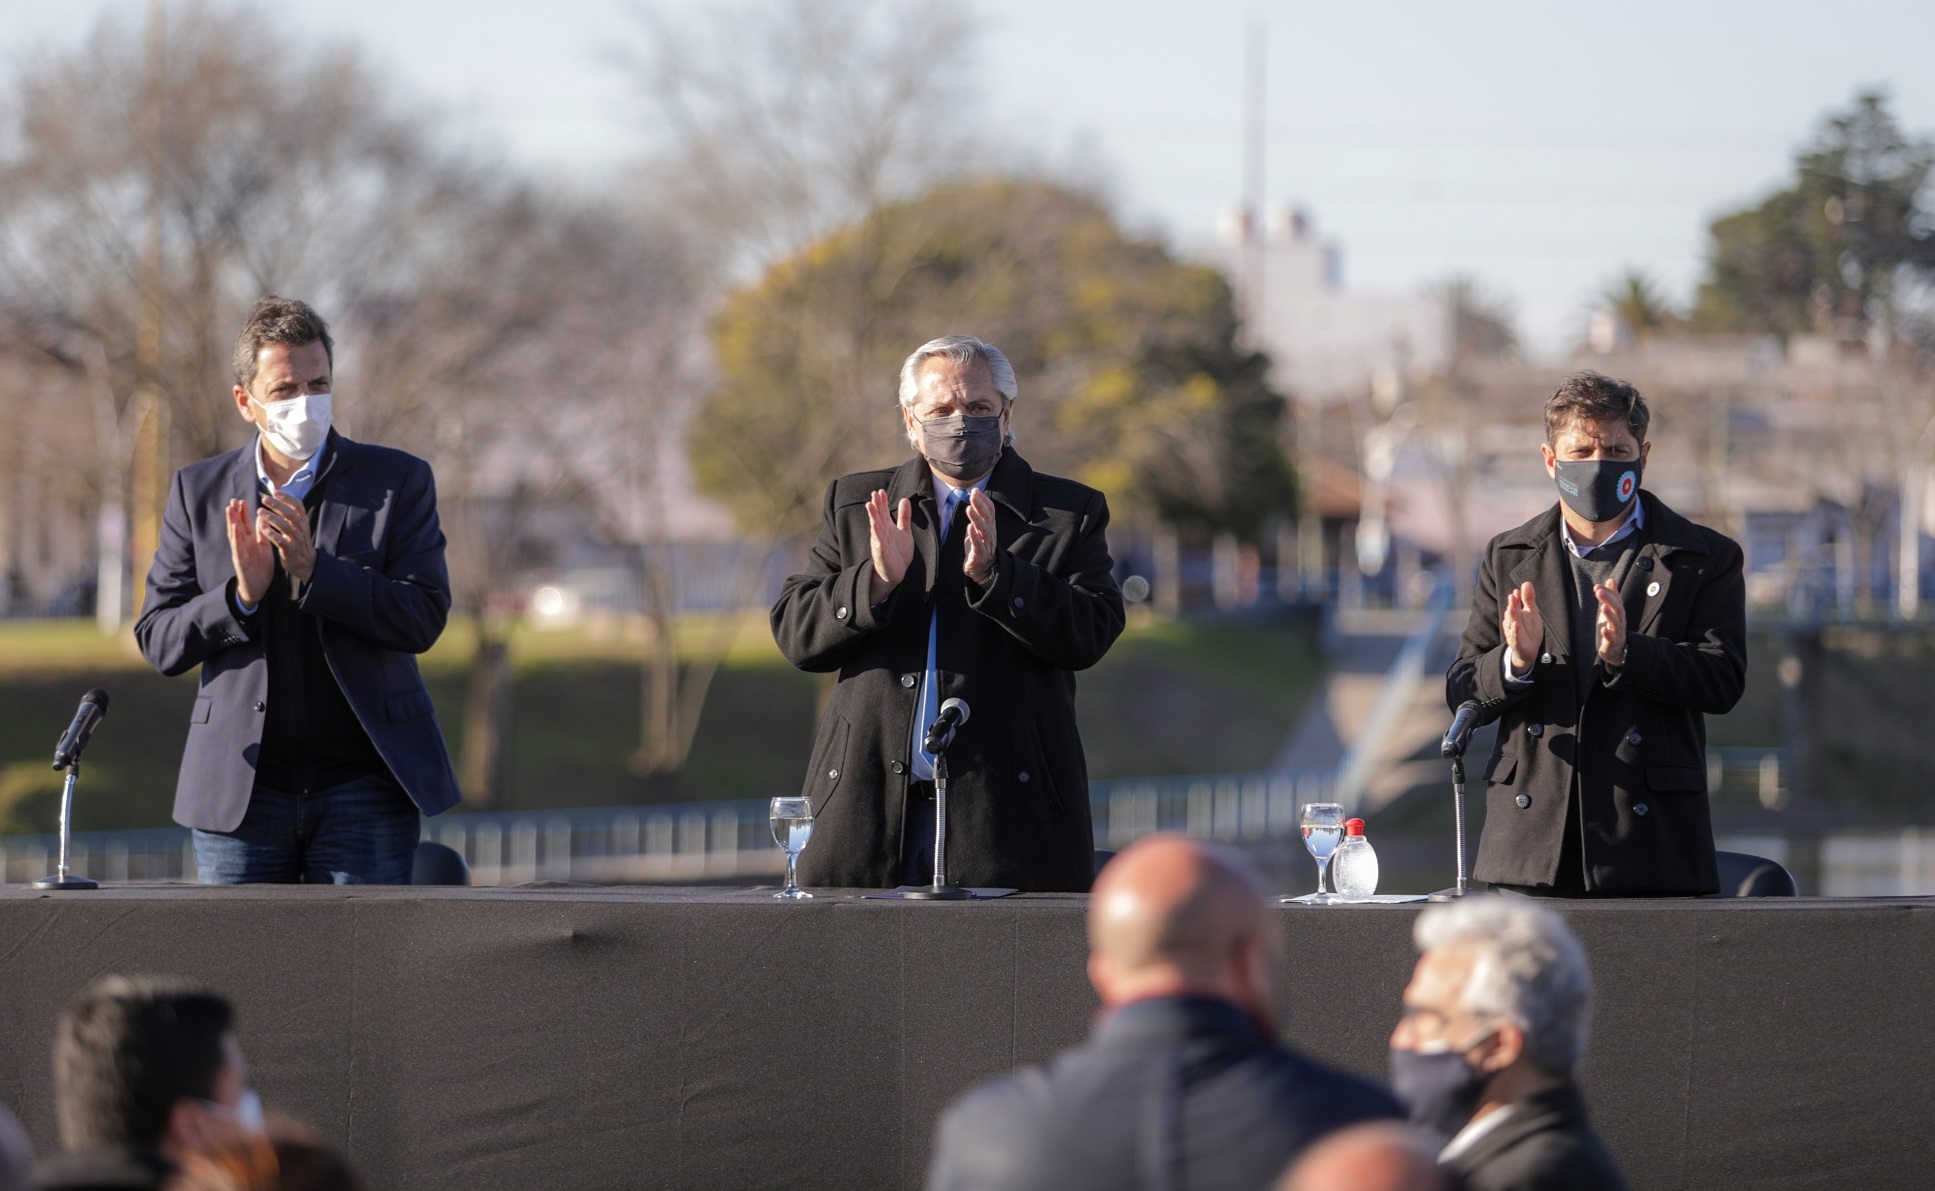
column 949, row 499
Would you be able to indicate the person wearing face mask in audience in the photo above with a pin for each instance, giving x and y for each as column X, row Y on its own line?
column 302, row 573
column 1487, row 1051
column 147, row 1074
column 1602, row 633
column 962, row 573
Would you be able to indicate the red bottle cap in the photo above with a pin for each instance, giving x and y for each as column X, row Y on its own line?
column 1354, row 826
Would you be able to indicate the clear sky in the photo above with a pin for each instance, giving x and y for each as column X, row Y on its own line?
column 1542, row 146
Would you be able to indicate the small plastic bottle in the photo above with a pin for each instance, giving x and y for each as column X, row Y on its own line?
column 1354, row 868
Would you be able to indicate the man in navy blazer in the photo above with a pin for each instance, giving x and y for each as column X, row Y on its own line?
column 1183, row 1082
column 302, row 573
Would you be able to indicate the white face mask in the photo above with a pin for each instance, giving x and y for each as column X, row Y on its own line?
column 296, row 427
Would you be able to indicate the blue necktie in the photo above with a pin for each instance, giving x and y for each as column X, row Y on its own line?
column 930, row 704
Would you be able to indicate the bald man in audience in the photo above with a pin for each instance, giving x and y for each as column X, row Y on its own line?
column 1183, row 1082
column 1379, row 1157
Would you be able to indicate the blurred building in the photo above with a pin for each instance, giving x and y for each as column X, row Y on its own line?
column 1325, row 341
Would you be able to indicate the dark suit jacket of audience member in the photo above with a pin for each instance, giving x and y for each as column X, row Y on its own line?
column 1544, row 1145
column 380, row 589
column 1173, row 1092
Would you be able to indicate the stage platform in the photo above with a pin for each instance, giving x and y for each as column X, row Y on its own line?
column 580, row 1037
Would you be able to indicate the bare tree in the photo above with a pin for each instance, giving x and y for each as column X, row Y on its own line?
column 774, row 121
column 152, row 185
column 782, row 119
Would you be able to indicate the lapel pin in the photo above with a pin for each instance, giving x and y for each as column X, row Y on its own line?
column 1653, row 588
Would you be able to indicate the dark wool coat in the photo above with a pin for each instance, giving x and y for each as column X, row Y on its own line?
column 1545, row 1144
column 1639, row 741
column 1018, row 791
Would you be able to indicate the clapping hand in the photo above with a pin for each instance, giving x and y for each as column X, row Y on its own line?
column 1522, row 628
column 981, row 541
column 253, row 556
column 892, row 542
column 282, row 522
column 1611, row 634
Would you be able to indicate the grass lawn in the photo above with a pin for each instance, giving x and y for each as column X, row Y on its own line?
column 1172, row 697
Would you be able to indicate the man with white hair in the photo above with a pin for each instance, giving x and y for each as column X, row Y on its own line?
column 1494, row 1026
column 961, row 574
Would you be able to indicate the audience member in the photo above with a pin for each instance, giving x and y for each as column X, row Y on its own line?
column 16, row 1154
column 1183, row 1082
column 1375, row 1157
column 1494, row 1027
column 146, row 1072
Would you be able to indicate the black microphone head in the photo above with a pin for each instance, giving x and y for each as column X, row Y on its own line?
column 1470, row 705
column 959, row 705
column 98, row 697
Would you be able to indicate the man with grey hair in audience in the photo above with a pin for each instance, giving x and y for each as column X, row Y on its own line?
column 1487, row 1052
column 964, row 574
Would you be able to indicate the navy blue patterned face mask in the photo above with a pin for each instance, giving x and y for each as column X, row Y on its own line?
column 1598, row 489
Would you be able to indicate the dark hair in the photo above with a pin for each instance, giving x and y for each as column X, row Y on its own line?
column 127, row 1050
column 1590, row 397
column 278, row 320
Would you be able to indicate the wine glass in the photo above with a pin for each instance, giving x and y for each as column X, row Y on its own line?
column 1323, row 829
column 792, row 827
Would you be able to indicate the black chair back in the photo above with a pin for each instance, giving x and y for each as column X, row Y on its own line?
column 438, row 864
column 1744, row 875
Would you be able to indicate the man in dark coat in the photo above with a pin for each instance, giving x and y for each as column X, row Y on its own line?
column 1494, row 1026
column 961, row 574
column 303, row 573
column 1183, row 1082
column 1602, row 634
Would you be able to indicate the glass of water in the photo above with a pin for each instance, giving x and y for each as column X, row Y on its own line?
column 792, row 827
column 1323, row 829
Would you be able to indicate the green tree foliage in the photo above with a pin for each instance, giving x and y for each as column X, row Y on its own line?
column 1831, row 252
column 1131, row 379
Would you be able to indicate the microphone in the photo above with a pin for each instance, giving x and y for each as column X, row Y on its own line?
column 953, row 714
column 1458, row 738
column 92, row 711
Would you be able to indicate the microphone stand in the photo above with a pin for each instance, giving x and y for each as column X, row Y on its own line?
column 62, row 879
column 940, row 890
column 1454, row 749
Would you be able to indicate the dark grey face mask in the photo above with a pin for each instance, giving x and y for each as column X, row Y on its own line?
column 963, row 447
column 1597, row 489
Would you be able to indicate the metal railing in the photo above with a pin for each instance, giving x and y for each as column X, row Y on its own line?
column 731, row 841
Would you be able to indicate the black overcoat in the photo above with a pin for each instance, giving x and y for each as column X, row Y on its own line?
column 1018, row 792
column 1639, row 740
column 1545, row 1144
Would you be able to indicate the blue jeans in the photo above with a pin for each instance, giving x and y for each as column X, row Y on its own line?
column 359, row 833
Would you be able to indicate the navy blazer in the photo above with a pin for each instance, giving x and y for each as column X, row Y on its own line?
column 1174, row 1092
column 380, row 589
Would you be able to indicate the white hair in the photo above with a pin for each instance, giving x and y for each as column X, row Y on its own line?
column 961, row 349
column 1527, row 968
